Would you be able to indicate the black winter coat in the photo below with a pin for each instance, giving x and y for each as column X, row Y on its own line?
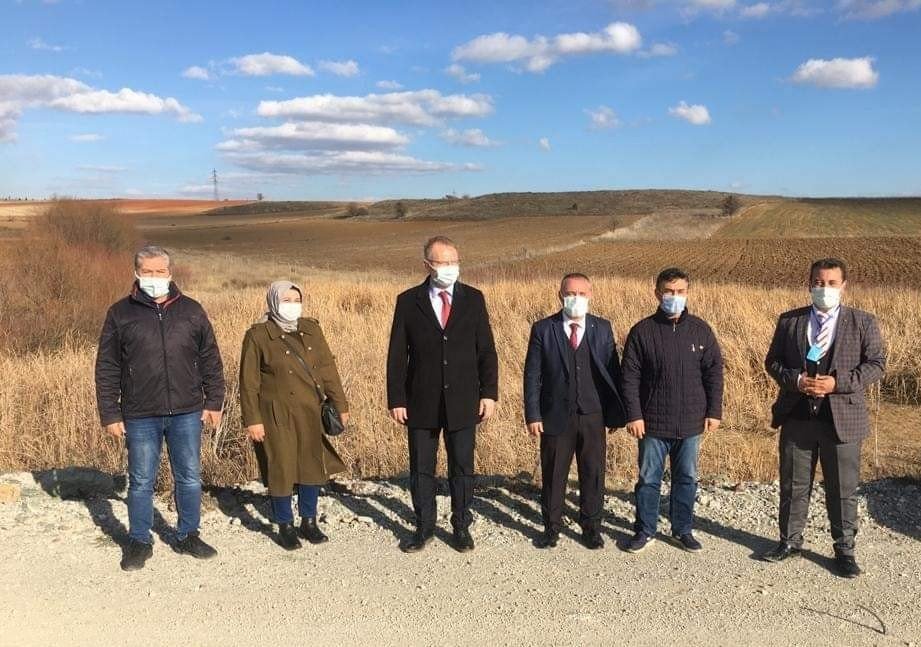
column 426, row 363
column 672, row 373
column 157, row 359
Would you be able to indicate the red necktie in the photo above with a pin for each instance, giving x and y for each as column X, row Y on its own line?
column 445, row 307
column 574, row 335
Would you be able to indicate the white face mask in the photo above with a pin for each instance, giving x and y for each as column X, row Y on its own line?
column 826, row 298
column 154, row 286
column 290, row 311
column 575, row 307
column 445, row 276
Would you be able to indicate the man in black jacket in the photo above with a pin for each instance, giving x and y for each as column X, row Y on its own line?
column 442, row 375
column 571, row 382
column 159, row 376
column 673, row 390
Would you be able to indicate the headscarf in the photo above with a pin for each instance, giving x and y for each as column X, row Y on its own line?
column 273, row 300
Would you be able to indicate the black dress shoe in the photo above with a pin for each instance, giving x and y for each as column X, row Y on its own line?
column 287, row 536
column 135, row 554
column 419, row 541
column 780, row 552
column 463, row 542
column 311, row 532
column 592, row 539
column 194, row 546
column 846, row 566
column 547, row 539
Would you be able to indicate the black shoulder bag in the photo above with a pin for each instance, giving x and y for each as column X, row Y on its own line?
column 332, row 422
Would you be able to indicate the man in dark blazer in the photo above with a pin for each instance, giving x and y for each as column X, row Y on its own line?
column 823, row 357
column 571, row 381
column 442, row 375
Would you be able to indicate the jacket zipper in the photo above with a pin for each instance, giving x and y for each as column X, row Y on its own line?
column 680, row 377
column 169, row 403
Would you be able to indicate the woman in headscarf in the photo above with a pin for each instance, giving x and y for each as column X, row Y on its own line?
column 280, row 402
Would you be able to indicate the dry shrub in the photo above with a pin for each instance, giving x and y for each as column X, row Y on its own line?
column 57, row 283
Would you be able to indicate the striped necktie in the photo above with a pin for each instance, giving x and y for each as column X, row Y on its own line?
column 823, row 337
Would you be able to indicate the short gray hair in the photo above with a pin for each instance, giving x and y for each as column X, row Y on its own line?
column 151, row 251
column 436, row 240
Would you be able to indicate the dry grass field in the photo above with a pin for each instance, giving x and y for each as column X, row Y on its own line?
column 352, row 270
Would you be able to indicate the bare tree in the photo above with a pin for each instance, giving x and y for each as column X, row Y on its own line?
column 731, row 204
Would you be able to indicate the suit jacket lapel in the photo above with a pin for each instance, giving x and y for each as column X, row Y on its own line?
column 844, row 322
column 591, row 335
column 562, row 342
column 425, row 304
column 802, row 344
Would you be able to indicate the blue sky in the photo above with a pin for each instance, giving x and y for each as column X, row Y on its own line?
column 366, row 100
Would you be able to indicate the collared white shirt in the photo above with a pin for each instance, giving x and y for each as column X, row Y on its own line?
column 812, row 328
column 435, row 298
column 580, row 331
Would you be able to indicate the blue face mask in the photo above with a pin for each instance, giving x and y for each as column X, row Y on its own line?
column 673, row 304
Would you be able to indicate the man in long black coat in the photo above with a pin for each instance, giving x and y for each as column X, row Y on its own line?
column 442, row 376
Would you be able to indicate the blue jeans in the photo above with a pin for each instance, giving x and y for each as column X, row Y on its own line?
column 144, row 438
column 682, row 455
column 307, row 496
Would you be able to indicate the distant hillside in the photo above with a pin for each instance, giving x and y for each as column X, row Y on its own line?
column 268, row 206
column 590, row 203
column 507, row 205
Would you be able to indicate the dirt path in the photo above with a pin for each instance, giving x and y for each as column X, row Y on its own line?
column 62, row 583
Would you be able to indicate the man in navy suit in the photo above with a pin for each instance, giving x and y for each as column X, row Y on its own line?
column 571, row 381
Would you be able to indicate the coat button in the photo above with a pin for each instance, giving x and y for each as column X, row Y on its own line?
column 282, row 336
column 446, row 386
column 287, row 352
column 290, row 371
column 445, row 362
column 445, row 338
column 310, row 348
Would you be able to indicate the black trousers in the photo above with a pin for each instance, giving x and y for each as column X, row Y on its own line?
column 584, row 438
column 423, row 454
column 803, row 443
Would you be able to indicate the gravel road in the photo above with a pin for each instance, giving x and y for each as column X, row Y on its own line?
column 62, row 583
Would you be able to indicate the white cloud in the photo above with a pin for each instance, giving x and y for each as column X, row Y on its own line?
column 419, row 107
column 267, row 64
column 837, row 73
column 19, row 92
column 757, row 10
column 314, row 135
column 41, row 45
column 125, row 100
column 730, row 37
column 603, row 118
column 196, row 72
column 875, row 9
column 457, row 71
column 659, row 49
column 544, row 144
column 340, row 68
column 541, row 52
column 389, row 85
column 342, row 162
column 83, row 71
column 693, row 7
column 472, row 137
column 697, row 115
column 83, row 138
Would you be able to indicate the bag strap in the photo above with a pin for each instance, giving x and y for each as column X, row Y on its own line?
column 303, row 363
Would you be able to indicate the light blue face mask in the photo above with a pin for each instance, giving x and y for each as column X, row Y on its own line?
column 673, row 304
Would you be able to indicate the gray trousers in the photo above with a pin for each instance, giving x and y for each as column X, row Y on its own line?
column 802, row 445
